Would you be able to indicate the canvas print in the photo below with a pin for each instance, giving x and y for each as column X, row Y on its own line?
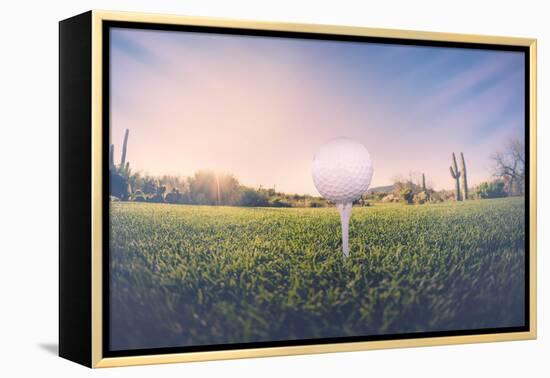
column 270, row 189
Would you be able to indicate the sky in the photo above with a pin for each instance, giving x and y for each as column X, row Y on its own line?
column 260, row 107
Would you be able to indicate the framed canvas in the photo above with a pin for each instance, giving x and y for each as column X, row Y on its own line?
column 235, row 189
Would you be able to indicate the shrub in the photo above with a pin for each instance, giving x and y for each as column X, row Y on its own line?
column 377, row 196
column 119, row 186
column 404, row 191
column 201, row 199
column 422, row 197
column 493, row 189
column 173, row 196
column 150, row 185
column 279, row 202
column 157, row 198
column 138, row 196
column 253, row 198
column 390, row 198
column 316, row 203
column 406, row 194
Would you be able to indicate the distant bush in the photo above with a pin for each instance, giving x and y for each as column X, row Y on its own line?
column 211, row 188
column 317, row 203
column 422, row 197
column 390, row 198
column 201, row 199
column 150, row 185
column 138, row 196
column 157, row 198
column 251, row 197
column 406, row 194
column 279, row 202
column 493, row 189
column 378, row 196
column 173, row 197
column 119, row 186
column 403, row 191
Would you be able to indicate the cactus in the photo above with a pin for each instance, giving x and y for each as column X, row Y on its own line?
column 124, row 145
column 112, row 157
column 124, row 167
column 423, row 182
column 455, row 174
column 464, row 177
column 120, row 174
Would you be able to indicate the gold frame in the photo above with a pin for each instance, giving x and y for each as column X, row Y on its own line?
column 97, row 359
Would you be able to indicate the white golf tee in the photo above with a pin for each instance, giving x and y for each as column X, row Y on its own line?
column 345, row 214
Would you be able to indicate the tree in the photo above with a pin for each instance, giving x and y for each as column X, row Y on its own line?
column 210, row 188
column 253, row 198
column 510, row 167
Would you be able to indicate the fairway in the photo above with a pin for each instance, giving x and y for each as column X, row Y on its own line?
column 195, row 275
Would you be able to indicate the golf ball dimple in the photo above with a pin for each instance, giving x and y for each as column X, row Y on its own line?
column 342, row 170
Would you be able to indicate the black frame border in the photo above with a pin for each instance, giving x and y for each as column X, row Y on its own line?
column 105, row 89
column 75, row 189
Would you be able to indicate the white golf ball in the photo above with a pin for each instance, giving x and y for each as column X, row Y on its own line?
column 342, row 170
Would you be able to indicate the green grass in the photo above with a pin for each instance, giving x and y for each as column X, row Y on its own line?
column 193, row 275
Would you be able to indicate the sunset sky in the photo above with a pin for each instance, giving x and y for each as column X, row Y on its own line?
column 260, row 107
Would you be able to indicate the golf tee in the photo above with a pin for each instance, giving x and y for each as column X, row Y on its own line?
column 345, row 214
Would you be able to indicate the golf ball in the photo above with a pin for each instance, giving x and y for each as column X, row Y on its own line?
column 342, row 170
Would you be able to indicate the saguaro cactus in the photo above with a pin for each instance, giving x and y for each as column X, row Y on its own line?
column 423, row 182
column 126, row 172
column 112, row 158
column 119, row 174
column 124, row 167
column 123, row 158
column 455, row 174
column 464, row 177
